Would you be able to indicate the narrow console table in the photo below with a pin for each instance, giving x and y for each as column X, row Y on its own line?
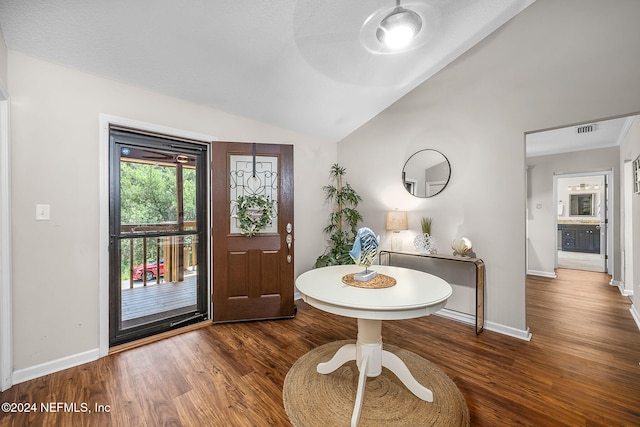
column 448, row 267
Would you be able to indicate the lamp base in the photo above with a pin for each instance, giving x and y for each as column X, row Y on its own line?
column 396, row 242
column 365, row 276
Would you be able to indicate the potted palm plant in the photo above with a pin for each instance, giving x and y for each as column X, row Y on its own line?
column 343, row 221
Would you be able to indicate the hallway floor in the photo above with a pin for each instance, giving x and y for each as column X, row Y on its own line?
column 580, row 261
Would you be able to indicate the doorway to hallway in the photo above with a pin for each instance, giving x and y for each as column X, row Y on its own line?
column 582, row 221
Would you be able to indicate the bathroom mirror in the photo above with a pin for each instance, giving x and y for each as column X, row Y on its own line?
column 426, row 173
column 582, row 204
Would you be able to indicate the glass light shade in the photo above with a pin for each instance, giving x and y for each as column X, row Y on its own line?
column 399, row 37
column 399, row 28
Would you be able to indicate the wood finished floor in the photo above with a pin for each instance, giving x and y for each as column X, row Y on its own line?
column 580, row 369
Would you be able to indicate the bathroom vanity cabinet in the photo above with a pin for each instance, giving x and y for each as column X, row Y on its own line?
column 580, row 237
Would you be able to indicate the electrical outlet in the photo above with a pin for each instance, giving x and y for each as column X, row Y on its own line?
column 43, row 212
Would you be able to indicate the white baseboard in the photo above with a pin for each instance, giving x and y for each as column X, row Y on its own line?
column 508, row 330
column 47, row 368
column 620, row 286
column 635, row 314
column 457, row 316
column 551, row 275
column 489, row 326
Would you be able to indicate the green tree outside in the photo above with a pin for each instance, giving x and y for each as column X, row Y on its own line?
column 148, row 196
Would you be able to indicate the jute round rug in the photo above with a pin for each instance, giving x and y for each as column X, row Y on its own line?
column 312, row 399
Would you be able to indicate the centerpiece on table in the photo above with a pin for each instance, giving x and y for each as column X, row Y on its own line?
column 364, row 252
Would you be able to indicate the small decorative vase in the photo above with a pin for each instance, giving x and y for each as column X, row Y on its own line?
column 425, row 243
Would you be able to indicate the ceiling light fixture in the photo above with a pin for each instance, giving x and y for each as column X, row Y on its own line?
column 399, row 28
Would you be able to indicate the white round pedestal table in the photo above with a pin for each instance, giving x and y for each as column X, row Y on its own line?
column 415, row 294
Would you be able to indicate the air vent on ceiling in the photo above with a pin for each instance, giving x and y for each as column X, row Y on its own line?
column 586, row 128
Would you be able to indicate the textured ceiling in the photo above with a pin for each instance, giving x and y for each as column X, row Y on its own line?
column 309, row 65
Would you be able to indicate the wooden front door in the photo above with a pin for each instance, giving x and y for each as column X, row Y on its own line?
column 252, row 273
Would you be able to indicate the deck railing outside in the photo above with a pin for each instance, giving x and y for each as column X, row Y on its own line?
column 172, row 256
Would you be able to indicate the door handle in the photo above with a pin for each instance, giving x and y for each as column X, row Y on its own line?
column 289, row 240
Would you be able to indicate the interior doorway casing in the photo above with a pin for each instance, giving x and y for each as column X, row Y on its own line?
column 6, row 311
column 628, row 272
column 606, row 214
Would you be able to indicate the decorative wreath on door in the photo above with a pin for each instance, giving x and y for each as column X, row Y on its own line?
column 254, row 214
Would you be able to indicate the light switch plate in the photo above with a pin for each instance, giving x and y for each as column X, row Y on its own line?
column 43, row 212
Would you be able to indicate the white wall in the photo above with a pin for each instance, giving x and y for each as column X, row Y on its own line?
column 630, row 150
column 542, row 222
column 559, row 62
column 55, row 159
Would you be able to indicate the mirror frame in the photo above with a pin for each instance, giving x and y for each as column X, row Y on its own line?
column 412, row 183
column 578, row 202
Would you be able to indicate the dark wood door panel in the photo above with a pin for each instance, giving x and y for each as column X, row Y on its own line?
column 252, row 276
column 253, row 273
column 244, row 308
column 243, row 243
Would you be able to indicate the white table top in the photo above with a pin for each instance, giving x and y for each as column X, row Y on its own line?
column 415, row 294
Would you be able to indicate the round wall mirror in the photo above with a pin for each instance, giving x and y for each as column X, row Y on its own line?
column 426, row 173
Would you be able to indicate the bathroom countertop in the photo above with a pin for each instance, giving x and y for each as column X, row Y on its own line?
column 579, row 221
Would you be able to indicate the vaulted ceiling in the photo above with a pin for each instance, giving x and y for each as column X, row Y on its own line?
column 307, row 65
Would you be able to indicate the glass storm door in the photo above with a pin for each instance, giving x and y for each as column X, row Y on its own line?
column 158, row 229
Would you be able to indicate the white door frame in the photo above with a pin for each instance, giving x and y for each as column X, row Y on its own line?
column 607, row 212
column 6, row 312
column 103, row 268
column 627, row 261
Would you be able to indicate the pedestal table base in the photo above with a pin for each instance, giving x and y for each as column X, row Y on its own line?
column 370, row 358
